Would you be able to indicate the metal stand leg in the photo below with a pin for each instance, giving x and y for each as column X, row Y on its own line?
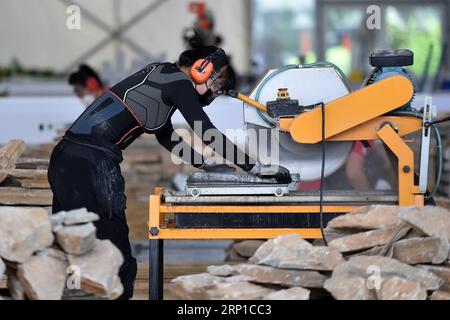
column 156, row 269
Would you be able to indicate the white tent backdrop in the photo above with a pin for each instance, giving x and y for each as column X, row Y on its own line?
column 35, row 32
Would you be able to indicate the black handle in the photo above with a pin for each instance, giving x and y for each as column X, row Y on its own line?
column 427, row 124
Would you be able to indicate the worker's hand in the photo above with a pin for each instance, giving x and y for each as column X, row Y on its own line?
column 281, row 174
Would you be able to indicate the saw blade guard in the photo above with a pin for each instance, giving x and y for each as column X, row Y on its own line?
column 270, row 145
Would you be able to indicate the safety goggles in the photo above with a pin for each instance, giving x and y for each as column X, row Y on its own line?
column 216, row 86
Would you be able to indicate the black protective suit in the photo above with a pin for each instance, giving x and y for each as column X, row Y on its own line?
column 84, row 167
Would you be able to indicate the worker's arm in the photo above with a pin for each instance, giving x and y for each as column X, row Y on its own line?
column 182, row 96
column 354, row 168
column 169, row 139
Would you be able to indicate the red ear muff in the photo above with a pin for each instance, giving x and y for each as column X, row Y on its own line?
column 92, row 84
column 201, row 71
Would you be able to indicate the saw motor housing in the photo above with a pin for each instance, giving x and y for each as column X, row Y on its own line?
column 388, row 63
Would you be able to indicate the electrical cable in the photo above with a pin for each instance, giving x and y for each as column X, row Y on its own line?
column 439, row 160
column 439, row 153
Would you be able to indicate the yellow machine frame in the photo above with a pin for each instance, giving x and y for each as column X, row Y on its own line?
column 408, row 195
column 304, row 128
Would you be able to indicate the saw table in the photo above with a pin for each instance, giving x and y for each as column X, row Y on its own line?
column 233, row 206
column 178, row 215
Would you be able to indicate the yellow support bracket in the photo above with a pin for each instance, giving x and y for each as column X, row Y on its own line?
column 406, row 188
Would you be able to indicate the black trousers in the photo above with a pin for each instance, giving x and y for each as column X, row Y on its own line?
column 85, row 177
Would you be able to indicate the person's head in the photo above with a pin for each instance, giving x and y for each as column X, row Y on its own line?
column 86, row 84
column 222, row 78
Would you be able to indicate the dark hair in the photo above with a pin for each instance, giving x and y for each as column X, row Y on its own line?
column 77, row 78
column 230, row 78
column 83, row 73
column 221, row 64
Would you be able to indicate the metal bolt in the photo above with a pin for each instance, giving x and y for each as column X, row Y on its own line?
column 154, row 231
column 279, row 192
column 406, row 169
column 195, row 192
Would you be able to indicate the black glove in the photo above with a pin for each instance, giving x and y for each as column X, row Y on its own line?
column 281, row 174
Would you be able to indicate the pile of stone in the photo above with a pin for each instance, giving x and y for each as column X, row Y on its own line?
column 241, row 250
column 376, row 252
column 55, row 257
column 23, row 180
column 146, row 165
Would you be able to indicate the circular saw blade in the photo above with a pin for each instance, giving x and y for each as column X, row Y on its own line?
column 308, row 86
column 306, row 159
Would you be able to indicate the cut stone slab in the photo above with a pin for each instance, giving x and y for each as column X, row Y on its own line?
column 27, row 174
column 32, row 163
column 99, row 269
column 2, row 268
column 247, row 248
column 442, row 272
column 78, row 294
column 349, row 287
column 363, row 240
column 221, row 271
column 440, row 295
column 34, row 184
column 9, row 154
column 15, row 287
column 25, row 197
column 193, row 287
column 369, row 217
column 238, row 291
column 23, row 231
column 421, row 250
column 284, row 277
column 200, row 280
column 295, row 293
column 43, row 276
column 414, row 233
column 73, row 217
column 232, row 255
column 292, row 252
column 205, row 286
column 77, row 239
column 402, row 230
column 333, row 233
column 366, row 266
column 396, row 288
column 432, row 221
column 116, row 288
column 375, row 251
column 237, row 278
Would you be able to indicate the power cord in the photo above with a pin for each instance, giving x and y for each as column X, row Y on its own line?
column 322, row 174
